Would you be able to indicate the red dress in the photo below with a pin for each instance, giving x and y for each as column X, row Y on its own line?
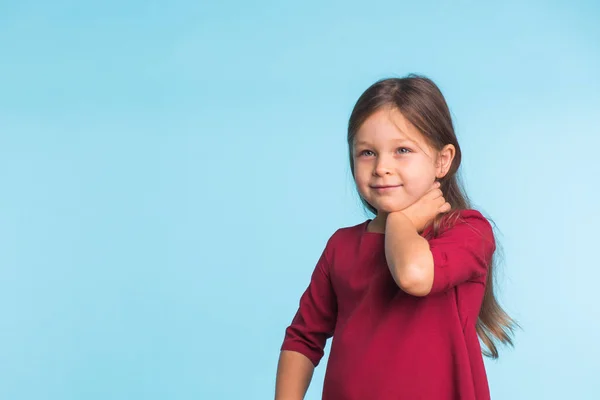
column 386, row 343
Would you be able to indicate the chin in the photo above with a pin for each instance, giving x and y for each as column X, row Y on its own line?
column 388, row 206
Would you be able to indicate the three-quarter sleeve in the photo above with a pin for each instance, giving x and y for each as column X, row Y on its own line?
column 463, row 252
column 315, row 319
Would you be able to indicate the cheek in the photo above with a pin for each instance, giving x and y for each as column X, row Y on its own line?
column 419, row 188
column 361, row 176
column 361, row 186
column 418, row 180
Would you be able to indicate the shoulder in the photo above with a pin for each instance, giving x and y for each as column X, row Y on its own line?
column 355, row 230
column 471, row 216
column 469, row 224
column 346, row 236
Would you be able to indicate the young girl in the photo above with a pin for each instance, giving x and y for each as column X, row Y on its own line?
column 407, row 295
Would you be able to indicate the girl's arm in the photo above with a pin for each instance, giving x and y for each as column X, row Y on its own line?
column 408, row 255
column 459, row 254
column 305, row 338
column 294, row 373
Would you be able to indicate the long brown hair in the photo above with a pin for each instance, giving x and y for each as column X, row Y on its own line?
column 421, row 102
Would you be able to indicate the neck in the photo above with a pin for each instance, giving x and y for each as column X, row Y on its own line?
column 378, row 223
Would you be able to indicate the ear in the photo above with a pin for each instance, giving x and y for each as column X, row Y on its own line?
column 444, row 160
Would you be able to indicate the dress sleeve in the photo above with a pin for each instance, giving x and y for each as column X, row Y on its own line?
column 315, row 319
column 462, row 252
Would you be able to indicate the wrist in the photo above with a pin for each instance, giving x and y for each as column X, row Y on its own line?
column 402, row 218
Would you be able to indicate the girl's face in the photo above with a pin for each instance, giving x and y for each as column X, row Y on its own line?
column 393, row 163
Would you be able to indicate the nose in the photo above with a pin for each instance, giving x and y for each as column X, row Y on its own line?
column 383, row 166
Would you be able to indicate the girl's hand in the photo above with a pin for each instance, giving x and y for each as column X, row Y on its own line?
column 424, row 210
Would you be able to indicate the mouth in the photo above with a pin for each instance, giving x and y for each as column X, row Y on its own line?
column 384, row 188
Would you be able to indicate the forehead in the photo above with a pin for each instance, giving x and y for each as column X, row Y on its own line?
column 388, row 124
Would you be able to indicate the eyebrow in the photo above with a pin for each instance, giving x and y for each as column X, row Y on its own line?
column 365, row 143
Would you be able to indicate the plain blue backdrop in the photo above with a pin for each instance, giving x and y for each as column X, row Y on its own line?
column 171, row 171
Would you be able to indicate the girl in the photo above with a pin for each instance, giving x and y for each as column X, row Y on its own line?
column 406, row 294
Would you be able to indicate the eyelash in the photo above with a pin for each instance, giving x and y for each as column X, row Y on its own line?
column 362, row 153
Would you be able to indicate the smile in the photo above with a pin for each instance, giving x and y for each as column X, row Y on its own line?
column 385, row 188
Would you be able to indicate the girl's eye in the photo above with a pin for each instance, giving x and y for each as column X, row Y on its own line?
column 403, row 150
column 366, row 153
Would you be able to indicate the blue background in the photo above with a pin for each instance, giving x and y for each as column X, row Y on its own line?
column 171, row 171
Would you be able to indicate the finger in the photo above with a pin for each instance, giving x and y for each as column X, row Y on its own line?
column 439, row 202
column 432, row 193
column 445, row 207
column 435, row 193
